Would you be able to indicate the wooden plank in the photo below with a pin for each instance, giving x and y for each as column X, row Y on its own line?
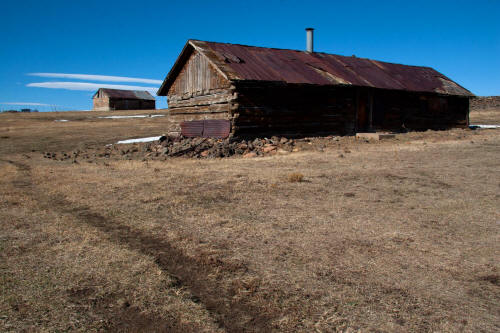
column 217, row 108
column 201, row 100
column 197, row 77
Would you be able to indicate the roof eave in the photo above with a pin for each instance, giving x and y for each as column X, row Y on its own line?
column 455, row 86
column 190, row 46
column 94, row 96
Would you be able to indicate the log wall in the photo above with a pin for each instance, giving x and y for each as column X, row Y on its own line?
column 395, row 110
column 294, row 110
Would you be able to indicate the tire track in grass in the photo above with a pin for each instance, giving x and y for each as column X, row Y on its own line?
column 200, row 276
column 121, row 319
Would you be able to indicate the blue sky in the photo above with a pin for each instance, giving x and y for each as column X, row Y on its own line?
column 141, row 39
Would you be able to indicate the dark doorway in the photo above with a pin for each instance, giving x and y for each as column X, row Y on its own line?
column 378, row 116
column 364, row 108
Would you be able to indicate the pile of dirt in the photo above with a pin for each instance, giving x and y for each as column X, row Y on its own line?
column 176, row 146
column 485, row 102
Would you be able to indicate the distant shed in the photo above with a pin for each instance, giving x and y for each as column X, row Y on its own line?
column 266, row 91
column 116, row 99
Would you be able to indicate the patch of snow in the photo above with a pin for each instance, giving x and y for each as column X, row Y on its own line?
column 121, row 117
column 484, row 126
column 61, row 120
column 149, row 139
column 137, row 116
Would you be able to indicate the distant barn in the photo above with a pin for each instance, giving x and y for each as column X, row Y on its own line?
column 115, row 99
column 266, row 91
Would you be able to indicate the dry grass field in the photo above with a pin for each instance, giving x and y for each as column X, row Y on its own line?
column 401, row 235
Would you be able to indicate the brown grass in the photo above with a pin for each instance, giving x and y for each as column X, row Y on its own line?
column 25, row 132
column 400, row 235
column 485, row 116
column 295, row 177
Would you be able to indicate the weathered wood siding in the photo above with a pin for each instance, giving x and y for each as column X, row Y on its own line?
column 273, row 108
column 395, row 110
column 287, row 109
column 199, row 84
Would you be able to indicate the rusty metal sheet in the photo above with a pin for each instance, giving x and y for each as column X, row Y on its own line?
column 210, row 128
column 143, row 94
column 126, row 94
column 216, row 128
column 192, row 129
column 291, row 66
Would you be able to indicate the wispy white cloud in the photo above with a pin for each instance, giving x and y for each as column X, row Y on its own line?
column 26, row 104
column 91, row 77
column 89, row 86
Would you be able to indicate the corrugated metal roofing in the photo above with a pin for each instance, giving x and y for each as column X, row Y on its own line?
column 126, row 94
column 192, row 128
column 216, row 128
column 243, row 63
column 209, row 128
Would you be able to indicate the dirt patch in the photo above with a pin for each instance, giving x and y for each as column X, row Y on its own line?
column 491, row 278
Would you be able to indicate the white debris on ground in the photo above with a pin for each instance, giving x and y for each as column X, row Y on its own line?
column 137, row 116
column 149, row 139
column 61, row 120
column 484, row 126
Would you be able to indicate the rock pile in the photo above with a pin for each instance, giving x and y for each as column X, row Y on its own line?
column 212, row 148
column 178, row 146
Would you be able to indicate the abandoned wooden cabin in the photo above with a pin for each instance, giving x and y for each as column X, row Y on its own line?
column 266, row 91
column 115, row 99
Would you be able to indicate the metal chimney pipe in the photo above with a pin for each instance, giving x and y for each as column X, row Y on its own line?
column 310, row 42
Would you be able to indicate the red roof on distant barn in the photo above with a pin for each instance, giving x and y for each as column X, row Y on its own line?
column 125, row 94
column 250, row 63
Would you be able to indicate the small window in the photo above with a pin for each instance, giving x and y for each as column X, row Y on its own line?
column 231, row 58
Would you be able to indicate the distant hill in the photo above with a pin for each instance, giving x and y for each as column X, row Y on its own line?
column 485, row 102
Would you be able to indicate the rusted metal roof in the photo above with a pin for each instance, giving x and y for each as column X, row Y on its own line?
column 125, row 94
column 249, row 63
column 210, row 128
